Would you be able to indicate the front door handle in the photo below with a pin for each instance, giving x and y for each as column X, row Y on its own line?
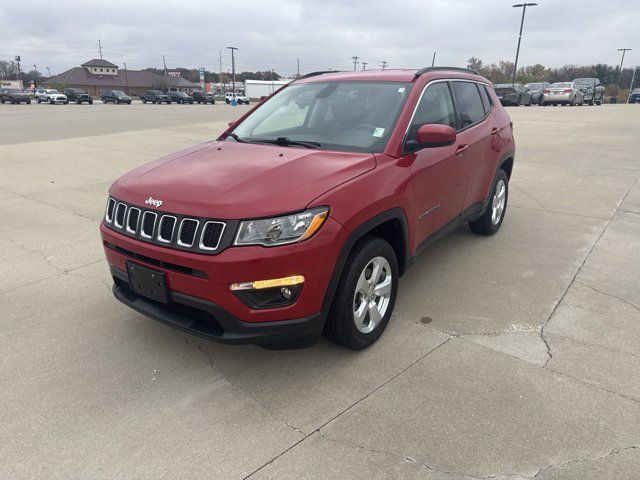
column 461, row 149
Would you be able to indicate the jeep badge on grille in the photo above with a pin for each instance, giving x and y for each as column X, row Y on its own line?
column 153, row 201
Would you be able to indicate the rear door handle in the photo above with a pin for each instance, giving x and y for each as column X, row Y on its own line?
column 461, row 149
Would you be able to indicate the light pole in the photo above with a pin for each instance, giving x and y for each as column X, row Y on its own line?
column 126, row 77
column 524, row 10
column 633, row 79
column 35, row 81
column 48, row 72
column 17, row 58
column 233, row 68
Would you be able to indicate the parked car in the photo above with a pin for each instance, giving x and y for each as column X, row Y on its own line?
column 635, row 96
column 51, row 96
column 239, row 98
column 13, row 95
column 562, row 93
column 536, row 91
column 78, row 95
column 302, row 216
column 200, row 97
column 180, row 97
column 115, row 96
column 592, row 90
column 155, row 96
column 512, row 94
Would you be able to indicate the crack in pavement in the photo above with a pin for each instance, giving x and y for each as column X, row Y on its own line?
column 626, row 302
column 317, row 430
column 613, row 451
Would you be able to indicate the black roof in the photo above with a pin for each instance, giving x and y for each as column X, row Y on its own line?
column 98, row 62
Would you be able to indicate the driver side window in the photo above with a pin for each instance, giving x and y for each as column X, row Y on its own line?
column 436, row 106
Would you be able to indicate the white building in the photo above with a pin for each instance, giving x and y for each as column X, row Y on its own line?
column 257, row 89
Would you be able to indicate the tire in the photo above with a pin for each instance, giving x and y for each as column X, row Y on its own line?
column 90, row 102
column 144, row 100
column 117, row 101
column 51, row 101
column 78, row 102
column 491, row 220
column 368, row 256
column 29, row 102
column 129, row 102
column 38, row 100
column 12, row 101
column 227, row 100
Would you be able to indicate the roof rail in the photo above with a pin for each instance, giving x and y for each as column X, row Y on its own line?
column 424, row 70
column 314, row 74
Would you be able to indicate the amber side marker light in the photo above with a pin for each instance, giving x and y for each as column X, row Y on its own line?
column 271, row 283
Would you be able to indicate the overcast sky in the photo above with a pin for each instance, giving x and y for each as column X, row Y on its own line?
column 323, row 34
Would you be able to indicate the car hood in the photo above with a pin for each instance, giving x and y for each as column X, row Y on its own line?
column 235, row 180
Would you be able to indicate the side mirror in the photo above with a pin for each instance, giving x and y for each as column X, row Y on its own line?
column 432, row 135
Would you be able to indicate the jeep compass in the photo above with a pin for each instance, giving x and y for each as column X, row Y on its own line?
column 300, row 218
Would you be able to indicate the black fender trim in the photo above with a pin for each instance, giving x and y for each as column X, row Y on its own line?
column 393, row 214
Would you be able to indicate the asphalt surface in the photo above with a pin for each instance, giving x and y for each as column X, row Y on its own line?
column 513, row 356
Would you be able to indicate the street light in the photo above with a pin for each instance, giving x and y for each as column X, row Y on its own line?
column 48, row 72
column 126, row 77
column 524, row 10
column 35, row 81
column 233, row 68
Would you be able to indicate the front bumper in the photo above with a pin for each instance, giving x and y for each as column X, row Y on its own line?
column 208, row 320
column 206, row 279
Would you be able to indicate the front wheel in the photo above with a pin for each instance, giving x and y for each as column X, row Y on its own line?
column 491, row 220
column 365, row 296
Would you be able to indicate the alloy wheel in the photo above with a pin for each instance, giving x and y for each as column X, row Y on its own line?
column 372, row 295
column 498, row 202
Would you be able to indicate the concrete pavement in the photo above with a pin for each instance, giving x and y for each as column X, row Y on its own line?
column 514, row 356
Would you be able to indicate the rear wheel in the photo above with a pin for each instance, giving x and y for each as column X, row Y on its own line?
column 51, row 101
column 491, row 220
column 117, row 102
column 365, row 296
column 29, row 101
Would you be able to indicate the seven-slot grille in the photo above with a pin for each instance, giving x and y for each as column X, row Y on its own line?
column 176, row 231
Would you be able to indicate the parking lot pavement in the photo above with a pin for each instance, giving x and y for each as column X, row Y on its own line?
column 513, row 356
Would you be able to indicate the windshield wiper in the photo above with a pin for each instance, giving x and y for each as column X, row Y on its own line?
column 285, row 142
column 236, row 138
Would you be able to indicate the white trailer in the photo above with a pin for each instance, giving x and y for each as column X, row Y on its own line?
column 256, row 89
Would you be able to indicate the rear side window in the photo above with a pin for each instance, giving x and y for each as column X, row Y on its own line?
column 484, row 95
column 469, row 103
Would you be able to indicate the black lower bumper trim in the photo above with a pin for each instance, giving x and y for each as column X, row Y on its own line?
column 208, row 320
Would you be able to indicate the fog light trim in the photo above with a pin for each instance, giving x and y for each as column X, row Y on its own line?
column 271, row 283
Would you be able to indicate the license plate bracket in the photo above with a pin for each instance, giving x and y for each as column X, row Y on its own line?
column 148, row 282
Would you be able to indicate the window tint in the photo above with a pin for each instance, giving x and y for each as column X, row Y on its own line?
column 469, row 103
column 486, row 102
column 436, row 106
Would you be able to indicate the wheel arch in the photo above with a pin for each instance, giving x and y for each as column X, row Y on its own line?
column 390, row 225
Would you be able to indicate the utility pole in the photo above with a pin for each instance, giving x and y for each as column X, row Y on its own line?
column 383, row 64
column 35, row 81
column 233, row 68
column 524, row 10
column 48, row 72
column 220, row 64
column 100, row 48
column 355, row 62
column 633, row 79
column 298, row 68
column 433, row 60
column 126, row 77
column 165, row 65
column 623, row 50
column 364, row 66
column 17, row 59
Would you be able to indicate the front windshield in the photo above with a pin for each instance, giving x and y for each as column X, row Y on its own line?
column 13, row 90
column 118, row 92
column 536, row 86
column 349, row 116
column 180, row 94
column 584, row 81
column 52, row 91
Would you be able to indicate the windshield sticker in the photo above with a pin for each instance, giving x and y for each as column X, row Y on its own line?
column 378, row 132
column 401, row 90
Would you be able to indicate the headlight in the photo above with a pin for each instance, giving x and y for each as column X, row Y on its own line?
column 281, row 230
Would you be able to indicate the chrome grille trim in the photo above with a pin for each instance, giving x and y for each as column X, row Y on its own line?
column 195, row 233
column 128, row 223
column 143, row 234
column 116, row 215
column 201, row 245
column 111, row 207
column 173, row 229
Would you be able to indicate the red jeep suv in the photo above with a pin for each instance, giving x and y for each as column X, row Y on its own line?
column 301, row 217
